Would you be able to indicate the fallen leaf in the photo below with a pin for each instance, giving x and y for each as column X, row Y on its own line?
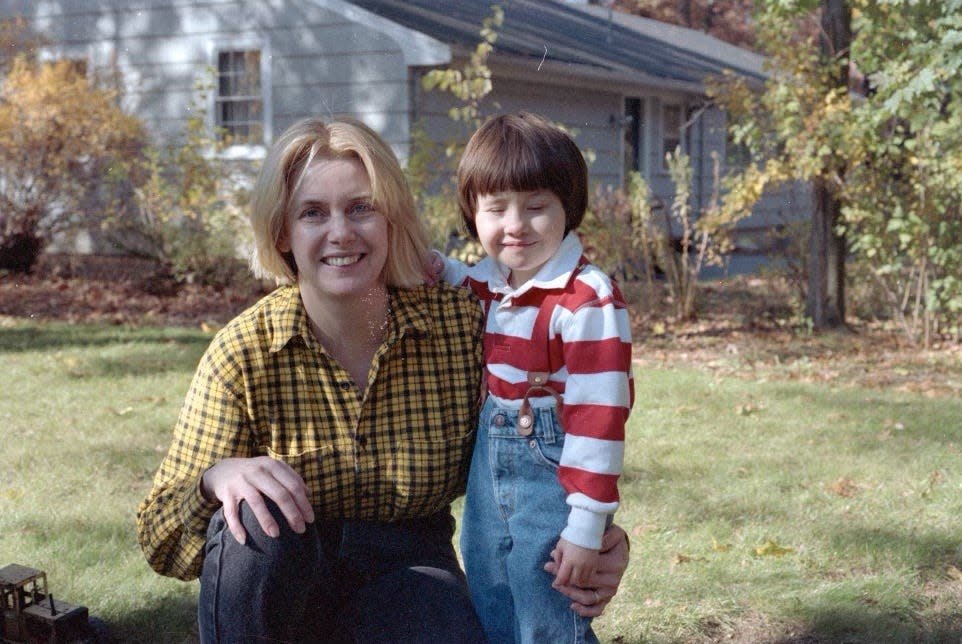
column 845, row 487
column 954, row 573
column 680, row 559
column 719, row 547
column 934, row 480
column 772, row 549
column 748, row 409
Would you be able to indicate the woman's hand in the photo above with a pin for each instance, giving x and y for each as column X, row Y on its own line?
column 233, row 480
column 589, row 600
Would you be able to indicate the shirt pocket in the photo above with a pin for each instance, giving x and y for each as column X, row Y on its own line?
column 427, row 475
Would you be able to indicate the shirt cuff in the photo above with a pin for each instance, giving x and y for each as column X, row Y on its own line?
column 585, row 528
column 196, row 511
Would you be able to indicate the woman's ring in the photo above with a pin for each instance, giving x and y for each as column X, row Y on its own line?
column 597, row 597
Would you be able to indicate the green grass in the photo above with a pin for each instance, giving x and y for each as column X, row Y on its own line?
column 860, row 486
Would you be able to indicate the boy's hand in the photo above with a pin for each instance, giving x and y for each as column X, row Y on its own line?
column 591, row 599
column 576, row 565
column 433, row 267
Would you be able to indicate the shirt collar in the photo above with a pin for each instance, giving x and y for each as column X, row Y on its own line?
column 555, row 273
column 289, row 319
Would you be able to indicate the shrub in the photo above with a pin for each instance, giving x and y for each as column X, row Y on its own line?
column 56, row 157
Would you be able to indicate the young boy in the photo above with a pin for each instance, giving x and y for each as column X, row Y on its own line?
column 557, row 349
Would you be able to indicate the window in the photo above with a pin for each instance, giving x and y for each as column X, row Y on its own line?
column 634, row 133
column 239, row 104
column 671, row 124
column 737, row 155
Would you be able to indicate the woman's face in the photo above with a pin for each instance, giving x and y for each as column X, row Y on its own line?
column 338, row 240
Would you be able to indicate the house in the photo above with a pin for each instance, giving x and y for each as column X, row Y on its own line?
column 628, row 88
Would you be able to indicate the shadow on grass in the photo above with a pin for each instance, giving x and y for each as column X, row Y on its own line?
column 166, row 620
column 146, row 359
column 864, row 625
column 54, row 336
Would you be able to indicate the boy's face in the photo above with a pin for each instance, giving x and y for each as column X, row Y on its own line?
column 521, row 230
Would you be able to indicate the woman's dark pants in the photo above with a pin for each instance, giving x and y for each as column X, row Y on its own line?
column 337, row 582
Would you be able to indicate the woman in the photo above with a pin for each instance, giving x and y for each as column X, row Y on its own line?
column 328, row 428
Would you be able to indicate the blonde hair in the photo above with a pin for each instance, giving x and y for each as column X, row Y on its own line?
column 283, row 170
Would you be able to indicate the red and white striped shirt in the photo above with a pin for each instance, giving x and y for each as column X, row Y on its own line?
column 571, row 321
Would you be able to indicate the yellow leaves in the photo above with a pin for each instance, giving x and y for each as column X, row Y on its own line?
column 771, row 549
column 768, row 548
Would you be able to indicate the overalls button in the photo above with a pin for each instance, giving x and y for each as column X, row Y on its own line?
column 525, row 421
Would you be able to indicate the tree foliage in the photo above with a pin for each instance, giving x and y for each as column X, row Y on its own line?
column 628, row 233
column 430, row 171
column 61, row 135
column 728, row 20
column 891, row 154
column 187, row 206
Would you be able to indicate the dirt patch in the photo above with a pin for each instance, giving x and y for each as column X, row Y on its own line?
column 120, row 301
column 748, row 327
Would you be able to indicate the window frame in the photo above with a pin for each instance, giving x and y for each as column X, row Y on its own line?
column 242, row 44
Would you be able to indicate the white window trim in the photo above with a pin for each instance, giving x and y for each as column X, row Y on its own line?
column 235, row 43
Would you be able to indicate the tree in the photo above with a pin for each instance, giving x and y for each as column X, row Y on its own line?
column 826, row 277
column 905, row 199
column 881, row 149
column 728, row 20
column 56, row 158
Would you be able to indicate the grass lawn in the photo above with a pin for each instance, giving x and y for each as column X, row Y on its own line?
column 761, row 508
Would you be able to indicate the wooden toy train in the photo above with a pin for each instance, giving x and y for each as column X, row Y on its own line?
column 31, row 614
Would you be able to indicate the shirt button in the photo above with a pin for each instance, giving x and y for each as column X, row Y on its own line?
column 499, row 420
column 345, row 385
column 362, row 440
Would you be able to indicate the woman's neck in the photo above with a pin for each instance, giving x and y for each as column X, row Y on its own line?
column 350, row 329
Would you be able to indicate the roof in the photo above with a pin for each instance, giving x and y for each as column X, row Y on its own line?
column 588, row 36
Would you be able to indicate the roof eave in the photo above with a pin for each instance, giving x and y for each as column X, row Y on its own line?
column 419, row 49
column 586, row 76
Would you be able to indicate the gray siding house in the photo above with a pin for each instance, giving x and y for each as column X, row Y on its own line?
column 628, row 88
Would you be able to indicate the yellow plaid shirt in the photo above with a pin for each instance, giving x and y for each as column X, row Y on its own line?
column 265, row 386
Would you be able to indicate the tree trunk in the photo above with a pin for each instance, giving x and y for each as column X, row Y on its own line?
column 826, row 267
column 826, row 273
